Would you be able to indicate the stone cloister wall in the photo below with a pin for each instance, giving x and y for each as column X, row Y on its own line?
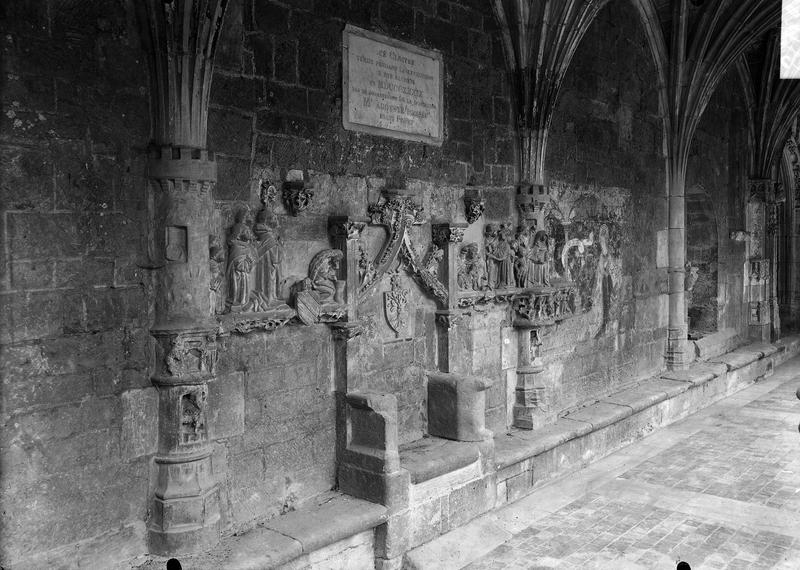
column 79, row 413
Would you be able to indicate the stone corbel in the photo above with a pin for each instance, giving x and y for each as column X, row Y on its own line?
column 474, row 205
column 457, row 407
column 297, row 196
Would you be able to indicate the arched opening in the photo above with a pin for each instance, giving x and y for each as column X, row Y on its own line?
column 702, row 249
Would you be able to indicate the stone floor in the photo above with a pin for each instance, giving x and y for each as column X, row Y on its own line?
column 719, row 489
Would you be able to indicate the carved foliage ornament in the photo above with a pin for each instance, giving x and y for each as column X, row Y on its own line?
column 474, row 207
column 545, row 307
column 186, row 354
column 758, row 189
column 297, row 196
column 443, row 233
column 398, row 213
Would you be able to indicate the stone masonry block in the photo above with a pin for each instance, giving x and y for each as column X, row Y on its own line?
column 226, row 403
column 139, row 423
column 456, row 407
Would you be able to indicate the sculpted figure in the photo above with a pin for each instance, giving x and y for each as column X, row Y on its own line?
column 323, row 272
column 241, row 259
column 490, row 248
column 216, row 262
column 540, row 251
column 270, row 255
column 470, row 268
column 504, row 255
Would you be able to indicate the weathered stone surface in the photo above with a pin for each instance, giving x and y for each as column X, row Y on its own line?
column 139, row 423
column 226, row 402
column 456, row 407
column 311, row 526
column 432, row 457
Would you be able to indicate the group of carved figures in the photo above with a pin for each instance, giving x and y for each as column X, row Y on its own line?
column 523, row 259
column 251, row 277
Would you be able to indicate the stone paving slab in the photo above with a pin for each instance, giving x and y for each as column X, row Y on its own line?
column 719, row 489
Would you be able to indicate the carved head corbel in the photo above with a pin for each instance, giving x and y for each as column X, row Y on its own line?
column 297, row 195
column 474, row 205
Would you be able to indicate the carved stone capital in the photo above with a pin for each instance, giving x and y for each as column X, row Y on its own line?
column 758, row 189
column 450, row 319
column 442, row 234
column 347, row 331
column 342, row 227
column 185, row 356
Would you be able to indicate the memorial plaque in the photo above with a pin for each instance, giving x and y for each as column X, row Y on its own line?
column 391, row 88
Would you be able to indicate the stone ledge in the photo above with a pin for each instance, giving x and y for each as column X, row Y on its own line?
column 310, row 526
column 698, row 373
column 601, row 414
column 717, row 343
column 649, row 402
column 739, row 358
column 431, row 457
column 287, row 537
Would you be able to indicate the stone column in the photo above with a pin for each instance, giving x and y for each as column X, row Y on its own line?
column 677, row 353
column 179, row 39
column 186, row 504
column 530, row 407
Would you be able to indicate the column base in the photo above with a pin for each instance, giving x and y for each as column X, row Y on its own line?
column 529, row 416
column 184, row 539
column 678, row 355
column 186, row 514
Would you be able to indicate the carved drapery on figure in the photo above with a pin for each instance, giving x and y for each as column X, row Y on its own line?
column 269, row 249
column 471, row 276
column 255, row 260
column 499, row 253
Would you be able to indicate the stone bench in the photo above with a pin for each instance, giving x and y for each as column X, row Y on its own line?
column 525, row 459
